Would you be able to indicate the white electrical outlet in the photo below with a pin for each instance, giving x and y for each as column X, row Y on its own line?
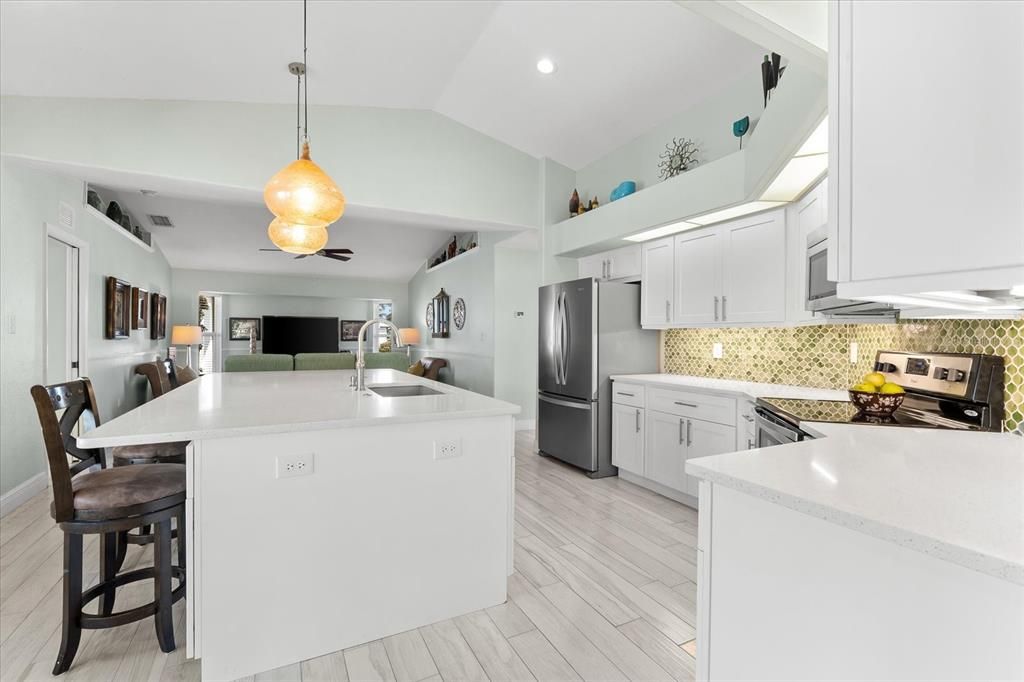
column 854, row 352
column 716, row 351
column 447, row 449
column 294, row 465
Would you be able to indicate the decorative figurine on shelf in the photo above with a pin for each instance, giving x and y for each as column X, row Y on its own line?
column 593, row 204
column 740, row 128
column 771, row 71
column 677, row 158
column 574, row 204
column 625, row 188
column 453, row 247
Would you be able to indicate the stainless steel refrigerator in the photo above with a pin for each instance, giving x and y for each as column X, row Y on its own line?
column 589, row 330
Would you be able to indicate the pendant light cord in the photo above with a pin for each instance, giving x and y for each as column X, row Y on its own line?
column 305, row 104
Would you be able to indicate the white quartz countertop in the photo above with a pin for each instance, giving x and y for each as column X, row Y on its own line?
column 956, row 495
column 223, row 405
column 751, row 389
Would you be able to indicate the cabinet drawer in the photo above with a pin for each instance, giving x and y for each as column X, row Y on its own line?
column 627, row 394
column 710, row 408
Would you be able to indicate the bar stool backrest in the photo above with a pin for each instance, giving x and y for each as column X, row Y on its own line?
column 78, row 401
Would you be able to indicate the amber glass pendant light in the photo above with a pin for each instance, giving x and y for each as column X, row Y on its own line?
column 301, row 195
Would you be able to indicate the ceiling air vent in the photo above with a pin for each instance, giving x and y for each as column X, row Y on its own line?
column 161, row 221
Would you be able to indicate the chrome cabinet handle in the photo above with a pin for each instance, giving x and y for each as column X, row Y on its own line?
column 716, row 309
column 750, row 444
column 681, row 439
column 626, row 394
column 723, row 308
column 682, row 404
column 609, row 262
column 748, row 418
column 638, row 421
column 689, row 435
column 604, row 269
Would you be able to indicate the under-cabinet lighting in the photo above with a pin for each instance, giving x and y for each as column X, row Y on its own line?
column 734, row 212
column 961, row 296
column 795, row 177
column 663, row 231
column 923, row 302
column 1017, row 290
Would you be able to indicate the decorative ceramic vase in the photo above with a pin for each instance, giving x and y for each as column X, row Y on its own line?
column 625, row 188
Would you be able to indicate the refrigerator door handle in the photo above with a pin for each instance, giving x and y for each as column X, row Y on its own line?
column 564, row 338
column 557, row 351
column 564, row 403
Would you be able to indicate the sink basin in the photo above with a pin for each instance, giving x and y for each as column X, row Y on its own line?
column 403, row 390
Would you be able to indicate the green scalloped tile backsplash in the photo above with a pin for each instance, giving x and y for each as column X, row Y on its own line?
column 818, row 355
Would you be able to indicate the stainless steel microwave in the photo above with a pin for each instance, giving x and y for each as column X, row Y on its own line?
column 821, row 291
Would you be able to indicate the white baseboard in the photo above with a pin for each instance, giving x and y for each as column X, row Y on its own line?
column 526, row 424
column 21, row 494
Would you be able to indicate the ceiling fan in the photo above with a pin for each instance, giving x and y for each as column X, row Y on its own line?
column 333, row 254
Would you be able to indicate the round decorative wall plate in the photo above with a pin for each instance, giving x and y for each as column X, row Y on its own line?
column 459, row 313
column 430, row 317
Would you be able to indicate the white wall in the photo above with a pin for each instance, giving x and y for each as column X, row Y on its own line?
column 29, row 199
column 516, row 279
column 409, row 160
column 709, row 124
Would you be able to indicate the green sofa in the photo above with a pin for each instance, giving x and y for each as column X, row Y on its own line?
column 305, row 361
column 259, row 362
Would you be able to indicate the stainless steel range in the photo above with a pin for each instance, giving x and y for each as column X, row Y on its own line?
column 943, row 391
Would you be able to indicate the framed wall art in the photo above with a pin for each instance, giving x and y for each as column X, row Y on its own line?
column 243, row 328
column 119, row 313
column 140, row 308
column 157, row 316
column 350, row 329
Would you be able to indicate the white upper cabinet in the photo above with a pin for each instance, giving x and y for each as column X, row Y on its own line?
column 732, row 273
column 698, row 280
column 621, row 265
column 754, row 269
column 656, row 293
column 806, row 215
column 926, row 146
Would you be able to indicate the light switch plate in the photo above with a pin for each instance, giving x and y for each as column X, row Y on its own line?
column 716, row 351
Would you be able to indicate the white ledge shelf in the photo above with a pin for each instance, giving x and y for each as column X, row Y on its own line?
column 117, row 228
column 453, row 259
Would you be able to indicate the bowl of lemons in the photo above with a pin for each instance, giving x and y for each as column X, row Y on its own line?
column 876, row 396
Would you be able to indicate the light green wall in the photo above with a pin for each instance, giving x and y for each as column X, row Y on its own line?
column 399, row 159
column 516, row 279
column 29, row 199
column 709, row 124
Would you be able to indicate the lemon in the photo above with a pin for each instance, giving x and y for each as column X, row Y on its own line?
column 876, row 379
column 865, row 388
column 890, row 388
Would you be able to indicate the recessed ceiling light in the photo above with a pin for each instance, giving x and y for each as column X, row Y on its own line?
column 546, row 66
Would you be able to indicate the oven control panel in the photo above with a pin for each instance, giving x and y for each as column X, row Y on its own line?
column 933, row 372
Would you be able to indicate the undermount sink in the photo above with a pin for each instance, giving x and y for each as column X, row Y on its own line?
column 403, row 390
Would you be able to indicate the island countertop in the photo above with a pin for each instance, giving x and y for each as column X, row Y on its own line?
column 958, row 496
column 223, row 405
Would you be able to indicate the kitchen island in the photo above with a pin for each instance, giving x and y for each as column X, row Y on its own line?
column 319, row 517
column 869, row 553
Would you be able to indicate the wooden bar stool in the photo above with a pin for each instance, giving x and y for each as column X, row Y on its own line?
column 108, row 502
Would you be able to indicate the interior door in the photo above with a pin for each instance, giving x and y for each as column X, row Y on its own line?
column 754, row 269
column 656, row 282
column 579, row 339
column 62, row 313
column 665, row 450
column 698, row 280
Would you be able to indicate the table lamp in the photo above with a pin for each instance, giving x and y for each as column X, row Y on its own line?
column 186, row 335
column 409, row 336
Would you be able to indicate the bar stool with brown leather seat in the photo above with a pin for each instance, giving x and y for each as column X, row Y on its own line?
column 163, row 376
column 108, row 502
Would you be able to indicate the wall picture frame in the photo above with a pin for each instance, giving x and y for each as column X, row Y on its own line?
column 118, row 309
column 157, row 316
column 243, row 328
column 140, row 308
column 350, row 329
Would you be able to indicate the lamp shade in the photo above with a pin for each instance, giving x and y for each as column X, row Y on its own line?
column 303, row 194
column 409, row 335
column 186, row 335
column 294, row 238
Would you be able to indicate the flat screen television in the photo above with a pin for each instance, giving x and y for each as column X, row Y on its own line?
column 291, row 335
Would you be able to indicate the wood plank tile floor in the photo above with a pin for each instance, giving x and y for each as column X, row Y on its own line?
column 603, row 590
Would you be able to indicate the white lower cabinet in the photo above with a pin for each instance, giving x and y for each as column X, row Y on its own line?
column 666, row 450
column 628, row 437
column 704, row 439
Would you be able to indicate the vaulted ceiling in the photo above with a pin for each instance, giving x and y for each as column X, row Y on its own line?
column 622, row 66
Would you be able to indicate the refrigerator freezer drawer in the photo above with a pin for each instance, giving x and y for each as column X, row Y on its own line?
column 567, row 430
